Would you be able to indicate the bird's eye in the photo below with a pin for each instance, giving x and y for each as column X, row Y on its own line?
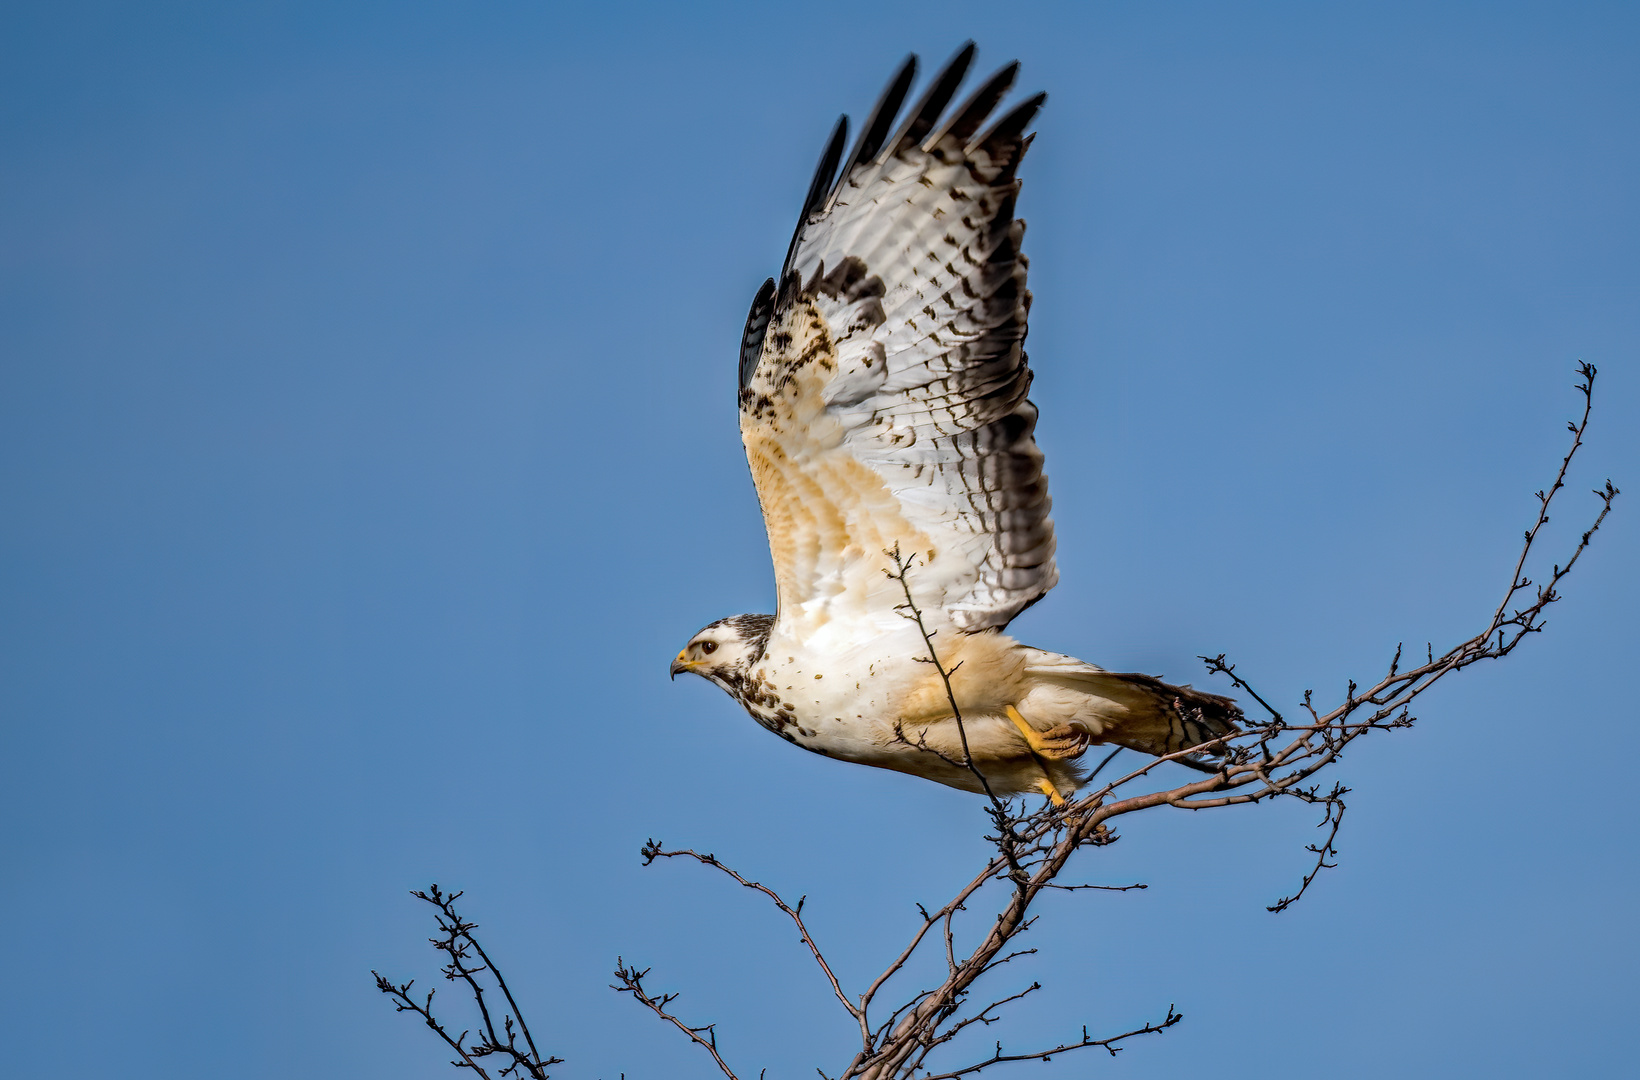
column 707, row 648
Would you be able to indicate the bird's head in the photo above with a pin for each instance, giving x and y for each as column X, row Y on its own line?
column 725, row 650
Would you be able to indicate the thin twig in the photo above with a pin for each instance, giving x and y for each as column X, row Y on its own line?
column 652, row 850
column 1109, row 1044
column 704, row 1036
column 1274, row 759
column 457, row 942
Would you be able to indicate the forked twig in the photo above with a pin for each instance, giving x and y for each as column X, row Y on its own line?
column 457, row 943
column 1275, row 758
column 704, row 1036
column 653, row 850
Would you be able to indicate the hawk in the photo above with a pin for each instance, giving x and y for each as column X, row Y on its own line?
column 883, row 410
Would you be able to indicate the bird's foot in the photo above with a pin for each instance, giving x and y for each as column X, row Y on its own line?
column 1047, row 788
column 1058, row 743
column 1063, row 742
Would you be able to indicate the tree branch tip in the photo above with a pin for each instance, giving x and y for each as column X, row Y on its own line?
column 1032, row 846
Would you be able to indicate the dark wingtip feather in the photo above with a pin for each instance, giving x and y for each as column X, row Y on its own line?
column 877, row 125
column 1009, row 128
column 973, row 112
column 757, row 325
column 926, row 113
column 820, row 186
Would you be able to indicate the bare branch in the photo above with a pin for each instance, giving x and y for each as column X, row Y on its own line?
column 403, row 1002
column 910, row 610
column 457, row 943
column 705, row 1036
column 1271, row 759
column 652, row 850
column 1109, row 1044
column 1334, row 817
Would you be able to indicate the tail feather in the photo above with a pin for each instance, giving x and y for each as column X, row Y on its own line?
column 1172, row 718
column 1138, row 711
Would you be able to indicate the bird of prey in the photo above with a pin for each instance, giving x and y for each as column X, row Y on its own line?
column 883, row 410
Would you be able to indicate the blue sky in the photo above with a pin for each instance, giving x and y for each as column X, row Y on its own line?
column 367, row 449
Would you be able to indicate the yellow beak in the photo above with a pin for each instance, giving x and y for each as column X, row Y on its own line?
column 683, row 663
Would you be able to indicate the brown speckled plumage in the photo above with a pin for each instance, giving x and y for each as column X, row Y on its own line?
column 882, row 395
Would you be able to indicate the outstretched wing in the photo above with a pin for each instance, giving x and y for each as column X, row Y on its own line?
column 883, row 381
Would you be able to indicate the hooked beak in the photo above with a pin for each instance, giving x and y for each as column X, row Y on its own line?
column 680, row 664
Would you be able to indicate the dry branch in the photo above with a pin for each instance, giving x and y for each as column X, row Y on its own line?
column 468, row 964
column 1272, row 758
column 704, row 1036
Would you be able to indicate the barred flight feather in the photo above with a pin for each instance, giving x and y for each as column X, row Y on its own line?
column 884, row 377
column 882, row 389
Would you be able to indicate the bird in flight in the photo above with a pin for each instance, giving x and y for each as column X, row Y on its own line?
column 883, row 408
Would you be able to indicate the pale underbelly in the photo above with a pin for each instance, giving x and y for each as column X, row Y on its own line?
column 934, row 753
column 880, row 707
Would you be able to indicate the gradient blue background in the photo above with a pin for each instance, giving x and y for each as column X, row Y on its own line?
column 367, row 449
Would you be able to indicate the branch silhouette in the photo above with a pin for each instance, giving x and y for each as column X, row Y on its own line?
column 468, row 964
column 1272, row 757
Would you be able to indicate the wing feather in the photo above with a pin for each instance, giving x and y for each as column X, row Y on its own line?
column 973, row 112
column 819, row 189
column 887, row 403
column 877, row 125
column 926, row 113
column 757, row 325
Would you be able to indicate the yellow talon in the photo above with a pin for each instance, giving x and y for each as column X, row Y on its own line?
column 1032, row 739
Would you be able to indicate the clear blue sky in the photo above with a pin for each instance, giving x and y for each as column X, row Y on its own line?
column 367, row 448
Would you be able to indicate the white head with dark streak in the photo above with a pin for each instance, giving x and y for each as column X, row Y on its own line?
column 726, row 651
